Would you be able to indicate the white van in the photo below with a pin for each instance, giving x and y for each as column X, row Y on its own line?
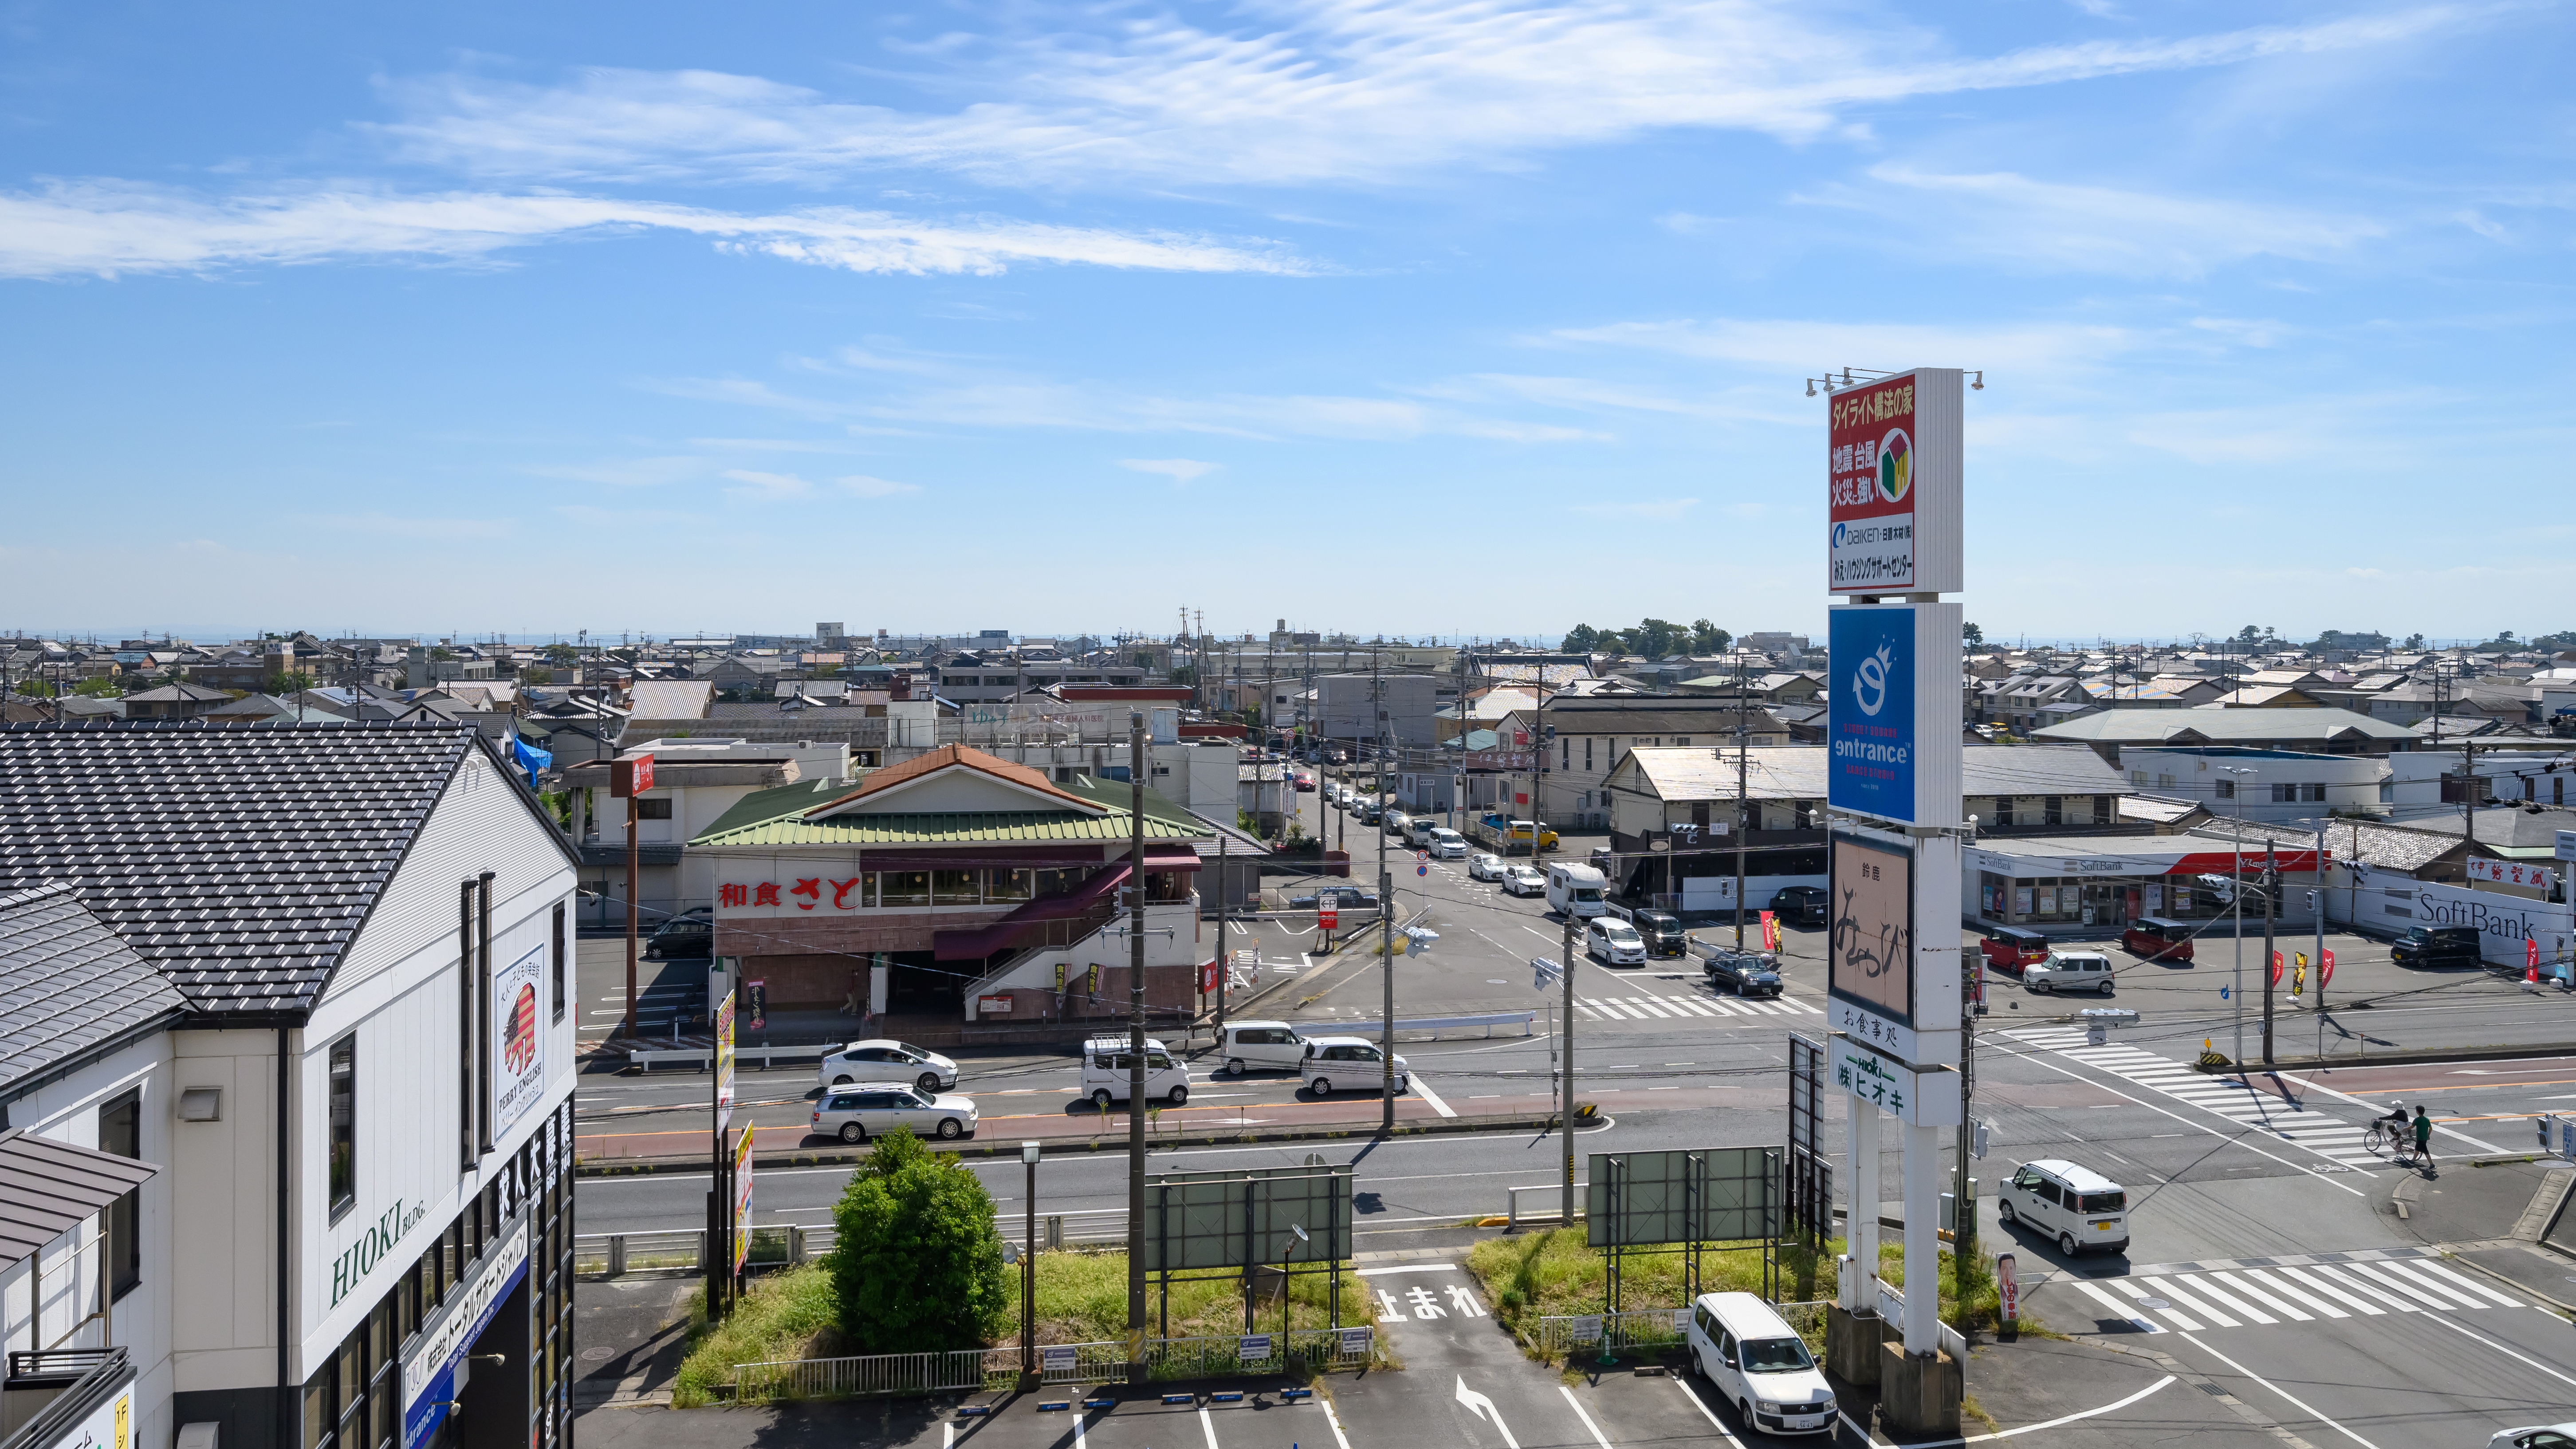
column 1352, row 1061
column 1613, row 942
column 1577, row 890
column 2069, row 971
column 1268, row 1045
column 1106, row 1063
column 2076, row 1206
column 1759, row 1364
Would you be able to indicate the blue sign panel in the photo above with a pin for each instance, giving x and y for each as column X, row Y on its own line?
column 1870, row 711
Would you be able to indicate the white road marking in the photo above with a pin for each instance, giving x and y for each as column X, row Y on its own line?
column 1577, row 1405
column 2284, row 1393
column 1423, row 1090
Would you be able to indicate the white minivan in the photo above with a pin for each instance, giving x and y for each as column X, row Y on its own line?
column 2076, row 1206
column 1759, row 1364
column 2069, row 971
column 1613, row 942
column 1575, row 890
column 1350, row 1061
column 1106, row 1063
column 1264, row 1045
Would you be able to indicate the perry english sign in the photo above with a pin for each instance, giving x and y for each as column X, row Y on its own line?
column 1892, row 712
column 1892, row 485
column 518, row 1064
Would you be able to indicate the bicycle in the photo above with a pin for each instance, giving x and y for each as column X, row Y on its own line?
column 2380, row 1136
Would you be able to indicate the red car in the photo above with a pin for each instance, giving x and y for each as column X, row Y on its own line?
column 2158, row 939
column 1305, row 781
column 2010, row 948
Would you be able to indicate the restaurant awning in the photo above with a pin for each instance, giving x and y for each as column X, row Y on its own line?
column 48, row 1187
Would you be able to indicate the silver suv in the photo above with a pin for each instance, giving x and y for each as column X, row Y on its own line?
column 867, row 1109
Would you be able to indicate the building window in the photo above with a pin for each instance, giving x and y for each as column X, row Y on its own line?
column 2316, row 794
column 120, row 1132
column 558, row 961
column 1565, row 753
column 2226, row 789
column 2101, row 809
column 649, row 808
column 2053, row 810
column 903, row 888
column 344, row 1125
column 2004, row 811
column 1681, row 739
column 2285, row 794
column 1587, row 752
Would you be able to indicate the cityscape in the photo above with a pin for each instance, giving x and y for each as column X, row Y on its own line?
column 1285, row 725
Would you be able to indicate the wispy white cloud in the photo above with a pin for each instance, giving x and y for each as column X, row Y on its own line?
column 624, row 472
column 386, row 525
column 1183, row 471
column 1792, row 348
column 1291, row 94
column 860, row 485
column 105, row 228
column 2083, row 228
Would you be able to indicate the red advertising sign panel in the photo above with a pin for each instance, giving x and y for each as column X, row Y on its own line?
column 2276, row 968
column 630, row 777
column 2325, row 970
column 1892, row 485
column 1328, row 918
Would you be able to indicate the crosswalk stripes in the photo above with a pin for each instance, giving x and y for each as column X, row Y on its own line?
column 1666, row 1008
column 2249, row 1297
column 2306, row 1125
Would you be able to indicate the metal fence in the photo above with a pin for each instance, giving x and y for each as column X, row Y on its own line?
column 1058, row 1363
column 614, row 1255
column 1636, row 1328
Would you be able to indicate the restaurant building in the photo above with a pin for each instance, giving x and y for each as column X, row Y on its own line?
column 363, row 1120
column 956, row 882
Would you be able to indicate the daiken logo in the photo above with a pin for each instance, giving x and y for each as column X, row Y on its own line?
column 1839, row 529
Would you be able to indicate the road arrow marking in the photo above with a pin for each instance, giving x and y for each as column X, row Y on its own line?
column 1483, row 1408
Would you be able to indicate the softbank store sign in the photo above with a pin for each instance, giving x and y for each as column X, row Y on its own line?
column 1879, row 718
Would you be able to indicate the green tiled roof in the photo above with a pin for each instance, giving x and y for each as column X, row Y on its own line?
column 776, row 817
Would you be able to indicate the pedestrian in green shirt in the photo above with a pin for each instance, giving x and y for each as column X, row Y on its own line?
column 2423, row 1138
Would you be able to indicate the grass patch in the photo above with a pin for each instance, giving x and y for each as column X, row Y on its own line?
column 785, row 1315
column 1082, row 1298
column 1553, row 1273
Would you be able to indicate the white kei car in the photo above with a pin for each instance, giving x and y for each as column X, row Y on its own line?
column 1485, row 865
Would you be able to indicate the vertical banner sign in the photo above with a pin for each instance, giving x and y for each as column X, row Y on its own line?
column 2008, row 1290
column 1770, row 931
column 724, row 1065
column 519, row 1044
column 742, row 1200
column 2325, row 971
column 1892, row 485
column 1892, row 712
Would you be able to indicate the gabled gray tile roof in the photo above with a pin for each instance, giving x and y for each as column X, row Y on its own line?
column 239, row 862
column 68, row 983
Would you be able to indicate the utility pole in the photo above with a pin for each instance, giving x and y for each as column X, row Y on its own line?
column 1136, row 1050
column 2319, row 960
column 1963, row 1231
column 1224, row 952
column 2271, row 901
column 1386, row 937
column 1744, row 816
column 1565, row 1111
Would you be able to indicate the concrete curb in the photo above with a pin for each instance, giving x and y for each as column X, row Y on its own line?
column 2399, row 1059
column 644, row 1167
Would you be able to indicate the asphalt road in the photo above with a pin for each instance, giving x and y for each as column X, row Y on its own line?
column 2220, row 1169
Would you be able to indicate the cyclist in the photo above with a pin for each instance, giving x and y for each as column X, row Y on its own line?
column 2423, row 1138
column 2393, row 1126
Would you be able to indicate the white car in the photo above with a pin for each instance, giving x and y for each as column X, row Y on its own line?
column 1448, row 844
column 1485, row 865
column 2076, row 1206
column 1520, row 880
column 1274, row 1045
column 1349, row 1061
column 1754, row 1360
column 1613, row 942
column 1108, row 1071
column 2535, row 1436
column 2069, row 971
column 863, row 1110
column 886, row 1060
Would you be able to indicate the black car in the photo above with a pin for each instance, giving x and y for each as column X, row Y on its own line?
column 1800, row 905
column 2437, row 946
column 1345, row 898
column 1661, row 930
column 690, row 933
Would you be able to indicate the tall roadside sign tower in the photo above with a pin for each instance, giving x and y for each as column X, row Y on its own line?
column 1892, row 794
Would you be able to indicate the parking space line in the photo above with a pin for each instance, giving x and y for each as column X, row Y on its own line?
column 1682, row 1382
column 1339, row 1438
column 1207, row 1426
column 1577, row 1405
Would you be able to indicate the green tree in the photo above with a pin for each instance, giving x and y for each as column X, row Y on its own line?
column 1582, row 639
column 34, row 688
column 2414, row 641
column 1707, row 638
column 293, row 681
column 98, row 687
column 562, row 654
column 1655, row 638
column 916, row 1261
column 1972, row 636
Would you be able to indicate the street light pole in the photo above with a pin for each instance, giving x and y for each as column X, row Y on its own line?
column 1565, row 1117
column 1386, row 933
column 1136, row 1051
column 1029, row 1271
column 2236, row 904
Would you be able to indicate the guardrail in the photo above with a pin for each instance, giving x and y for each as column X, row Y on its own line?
column 614, row 1255
column 704, row 1057
column 1513, row 1217
column 1488, row 1021
column 1058, row 1363
column 1891, row 1310
column 1655, row 1327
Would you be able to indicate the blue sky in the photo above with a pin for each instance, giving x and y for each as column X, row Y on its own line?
column 1466, row 317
